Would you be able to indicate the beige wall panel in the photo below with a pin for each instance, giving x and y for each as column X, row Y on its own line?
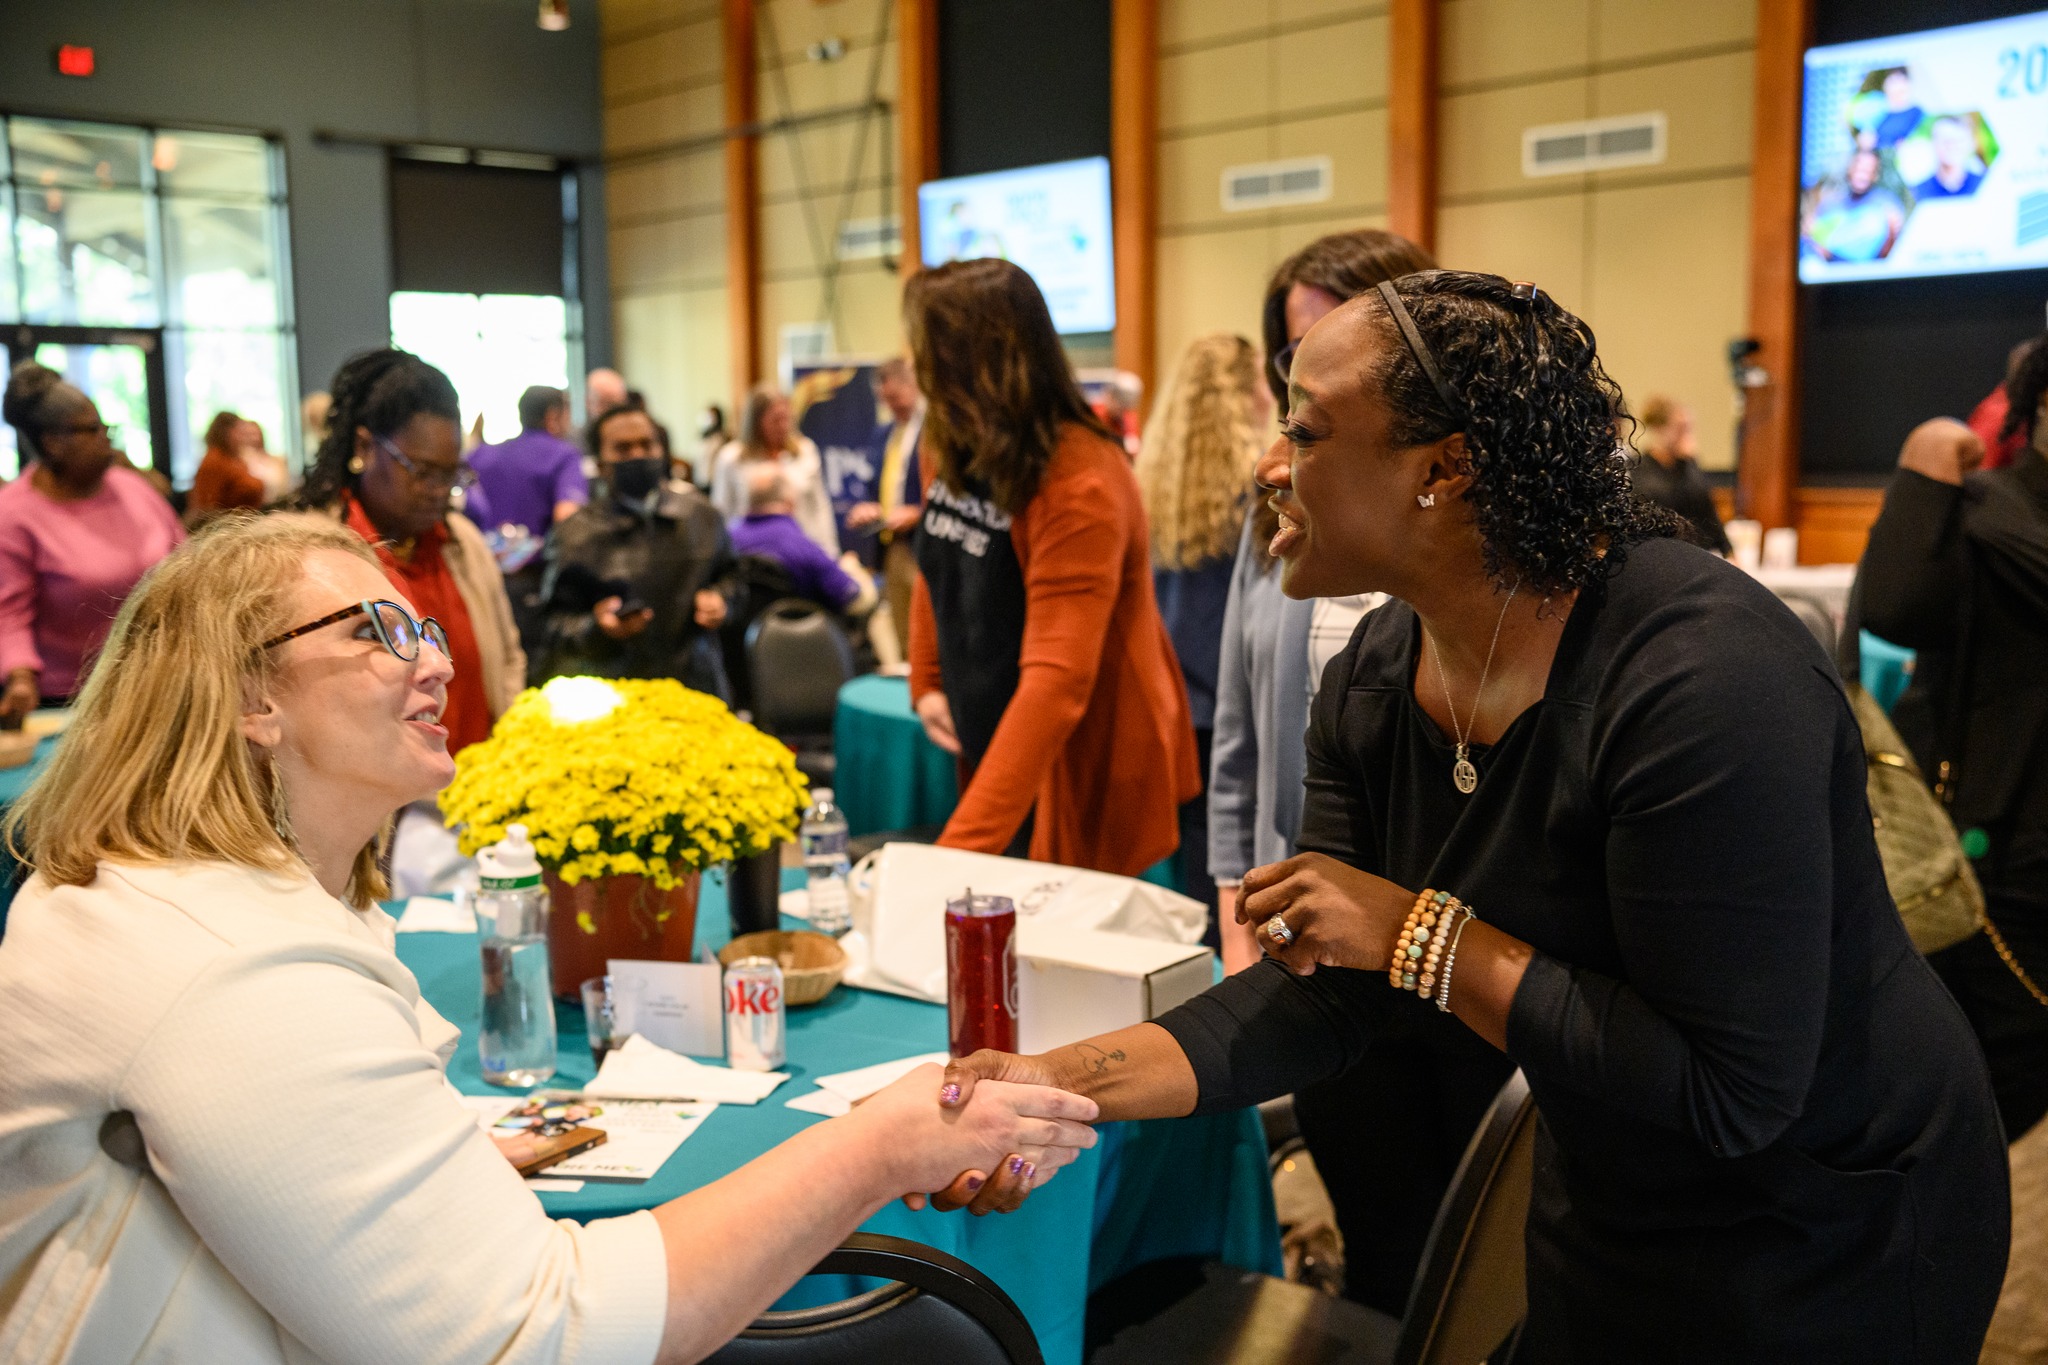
column 785, row 239
column 1292, row 11
column 672, row 347
column 824, row 85
column 1490, row 40
column 828, row 156
column 870, row 311
column 1191, row 173
column 1357, row 147
column 1707, row 104
column 663, row 59
column 1290, row 237
column 1212, row 84
column 1481, row 134
column 673, row 185
column 1193, row 21
column 799, row 23
column 1663, row 329
column 666, row 118
column 1629, row 29
column 624, row 18
column 1331, row 64
column 677, row 253
column 1210, row 281
column 1531, row 239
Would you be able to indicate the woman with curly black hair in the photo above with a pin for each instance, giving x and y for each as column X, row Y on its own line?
column 1599, row 795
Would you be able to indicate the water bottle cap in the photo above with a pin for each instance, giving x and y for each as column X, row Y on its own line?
column 821, row 796
column 510, row 864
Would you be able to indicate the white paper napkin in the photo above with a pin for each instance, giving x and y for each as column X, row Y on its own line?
column 837, row 1092
column 436, row 915
column 642, row 1070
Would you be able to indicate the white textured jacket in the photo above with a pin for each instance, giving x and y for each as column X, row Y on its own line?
column 225, row 1135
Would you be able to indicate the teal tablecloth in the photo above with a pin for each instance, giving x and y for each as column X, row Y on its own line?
column 1175, row 1187
column 889, row 775
column 13, row 782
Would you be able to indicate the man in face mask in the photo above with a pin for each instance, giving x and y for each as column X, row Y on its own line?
column 640, row 580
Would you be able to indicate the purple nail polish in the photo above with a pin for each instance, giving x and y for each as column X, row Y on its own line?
column 1016, row 1165
column 949, row 1094
column 974, row 1182
column 1030, row 1169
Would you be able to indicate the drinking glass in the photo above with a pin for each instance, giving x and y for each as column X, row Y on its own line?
column 609, row 1007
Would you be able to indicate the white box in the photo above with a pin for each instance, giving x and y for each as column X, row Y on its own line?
column 1076, row 983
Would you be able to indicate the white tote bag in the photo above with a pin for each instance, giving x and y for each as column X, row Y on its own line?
column 899, row 894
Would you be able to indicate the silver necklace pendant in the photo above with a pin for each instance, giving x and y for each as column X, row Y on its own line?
column 1464, row 774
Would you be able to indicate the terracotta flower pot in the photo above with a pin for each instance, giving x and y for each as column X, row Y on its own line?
column 633, row 918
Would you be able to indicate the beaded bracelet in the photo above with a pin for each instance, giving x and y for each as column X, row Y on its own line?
column 1443, row 993
column 1419, row 950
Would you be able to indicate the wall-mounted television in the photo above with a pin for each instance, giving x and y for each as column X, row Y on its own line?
column 1052, row 220
column 1926, row 153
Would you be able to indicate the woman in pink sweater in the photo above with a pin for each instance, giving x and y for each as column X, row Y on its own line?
column 77, row 532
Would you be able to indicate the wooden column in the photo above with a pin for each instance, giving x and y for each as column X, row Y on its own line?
column 917, row 116
column 1769, row 475
column 1414, row 27
column 1134, row 179
column 742, row 200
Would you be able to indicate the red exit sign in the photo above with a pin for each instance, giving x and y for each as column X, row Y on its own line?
column 73, row 60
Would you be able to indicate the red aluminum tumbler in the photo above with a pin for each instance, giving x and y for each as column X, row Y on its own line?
column 981, row 974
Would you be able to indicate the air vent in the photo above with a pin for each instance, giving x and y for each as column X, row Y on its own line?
column 1601, row 144
column 1274, row 184
column 864, row 239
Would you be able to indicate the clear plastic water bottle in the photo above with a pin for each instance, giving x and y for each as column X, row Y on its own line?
column 517, row 1045
column 824, row 839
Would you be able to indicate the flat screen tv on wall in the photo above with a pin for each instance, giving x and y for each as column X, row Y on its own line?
column 1053, row 220
column 1926, row 153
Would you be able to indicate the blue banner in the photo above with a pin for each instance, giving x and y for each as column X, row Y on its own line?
column 836, row 407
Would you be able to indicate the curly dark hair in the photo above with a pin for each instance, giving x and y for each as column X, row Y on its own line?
column 996, row 381
column 1550, row 484
column 379, row 391
column 2026, row 381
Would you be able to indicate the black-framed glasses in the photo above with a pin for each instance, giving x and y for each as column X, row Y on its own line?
column 462, row 476
column 397, row 630
column 1283, row 362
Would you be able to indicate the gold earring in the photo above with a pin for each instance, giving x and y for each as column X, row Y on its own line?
column 355, row 464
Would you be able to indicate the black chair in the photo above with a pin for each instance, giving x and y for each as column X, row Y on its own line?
column 799, row 658
column 1466, row 1305
column 933, row 1307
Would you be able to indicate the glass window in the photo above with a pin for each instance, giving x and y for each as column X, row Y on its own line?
column 220, row 261
column 85, row 257
column 492, row 347
column 215, row 164
column 78, row 155
column 110, row 226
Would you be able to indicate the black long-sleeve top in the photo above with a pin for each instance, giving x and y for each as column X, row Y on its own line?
column 1767, row 1133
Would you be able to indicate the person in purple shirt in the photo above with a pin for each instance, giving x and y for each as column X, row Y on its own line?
column 535, row 479
column 770, row 530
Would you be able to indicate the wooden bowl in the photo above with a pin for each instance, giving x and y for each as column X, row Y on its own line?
column 811, row 963
column 17, row 747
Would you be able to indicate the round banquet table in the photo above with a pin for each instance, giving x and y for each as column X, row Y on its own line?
column 889, row 776
column 1149, row 1190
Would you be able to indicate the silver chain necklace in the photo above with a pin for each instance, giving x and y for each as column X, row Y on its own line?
column 1462, row 772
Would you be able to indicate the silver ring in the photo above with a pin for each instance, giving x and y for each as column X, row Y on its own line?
column 1279, row 932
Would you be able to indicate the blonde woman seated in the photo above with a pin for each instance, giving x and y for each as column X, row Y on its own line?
column 225, row 1134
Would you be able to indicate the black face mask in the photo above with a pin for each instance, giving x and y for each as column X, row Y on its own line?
column 633, row 480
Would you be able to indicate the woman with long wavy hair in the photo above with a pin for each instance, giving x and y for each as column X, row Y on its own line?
column 1195, row 471
column 1036, row 650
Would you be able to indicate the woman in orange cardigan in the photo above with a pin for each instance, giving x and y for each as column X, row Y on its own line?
column 1037, row 653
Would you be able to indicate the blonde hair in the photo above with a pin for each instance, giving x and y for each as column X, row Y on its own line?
column 759, row 399
column 1195, row 466
column 154, row 767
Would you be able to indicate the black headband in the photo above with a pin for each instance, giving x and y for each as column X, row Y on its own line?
column 1418, row 348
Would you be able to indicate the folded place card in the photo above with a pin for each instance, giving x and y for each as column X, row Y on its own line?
column 437, row 915
column 678, row 1005
column 837, row 1093
column 643, row 1070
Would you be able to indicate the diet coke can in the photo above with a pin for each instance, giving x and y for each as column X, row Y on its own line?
column 981, row 974
column 755, row 1039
